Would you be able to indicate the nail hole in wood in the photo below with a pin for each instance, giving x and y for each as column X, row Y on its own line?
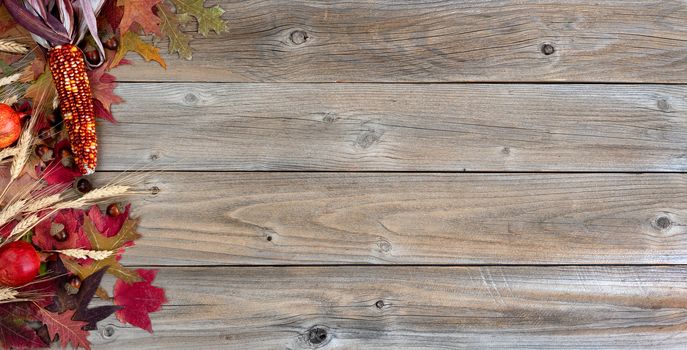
column 548, row 49
column 298, row 37
column 154, row 190
column 379, row 304
column 269, row 238
column 108, row 332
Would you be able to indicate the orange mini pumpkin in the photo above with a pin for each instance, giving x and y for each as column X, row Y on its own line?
column 10, row 125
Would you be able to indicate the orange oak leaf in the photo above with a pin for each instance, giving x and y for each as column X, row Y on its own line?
column 141, row 12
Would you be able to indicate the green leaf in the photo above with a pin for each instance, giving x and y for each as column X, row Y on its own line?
column 170, row 26
column 209, row 18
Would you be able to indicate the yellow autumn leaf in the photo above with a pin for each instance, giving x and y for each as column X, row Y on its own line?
column 133, row 42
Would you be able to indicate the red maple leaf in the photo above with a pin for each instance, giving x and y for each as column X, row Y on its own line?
column 139, row 299
column 141, row 12
column 71, row 220
column 70, row 331
column 15, row 332
column 103, row 85
column 108, row 225
column 56, row 172
column 102, row 113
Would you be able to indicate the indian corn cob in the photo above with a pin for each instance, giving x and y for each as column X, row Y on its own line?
column 59, row 26
column 76, row 104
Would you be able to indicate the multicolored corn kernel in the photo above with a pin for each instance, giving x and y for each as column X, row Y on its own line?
column 76, row 103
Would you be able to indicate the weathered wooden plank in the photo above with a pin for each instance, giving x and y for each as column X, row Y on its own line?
column 399, row 127
column 392, row 218
column 444, row 40
column 416, row 308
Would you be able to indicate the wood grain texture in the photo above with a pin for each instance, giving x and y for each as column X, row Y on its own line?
column 371, row 127
column 383, row 218
column 421, row 308
column 443, row 40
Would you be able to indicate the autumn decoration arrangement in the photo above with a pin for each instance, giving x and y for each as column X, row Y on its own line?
column 59, row 234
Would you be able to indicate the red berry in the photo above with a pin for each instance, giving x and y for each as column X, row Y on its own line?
column 19, row 264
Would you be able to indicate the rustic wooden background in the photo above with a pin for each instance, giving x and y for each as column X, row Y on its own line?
column 414, row 175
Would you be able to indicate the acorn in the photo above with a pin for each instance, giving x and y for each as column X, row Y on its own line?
column 75, row 282
column 54, row 118
column 93, row 57
column 60, row 236
column 44, row 152
column 45, row 134
column 113, row 210
column 111, row 43
column 67, row 158
column 84, row 186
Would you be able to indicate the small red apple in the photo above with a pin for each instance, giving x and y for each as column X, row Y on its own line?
column 10, row 125
column 19, row 264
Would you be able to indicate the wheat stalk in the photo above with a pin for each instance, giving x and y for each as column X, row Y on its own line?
column 84, row 254
column 11, row 211
column 8, row 152
column 8, row 294
column 23, row 149
column 43, row 203
column 10, row 79
column 10, row 100
column 13, row 47
column 23, row 226
column 96, row 195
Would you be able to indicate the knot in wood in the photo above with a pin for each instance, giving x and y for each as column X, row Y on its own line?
column 663, row 105
column 548, row 49
column 298, row 37
column 663, row 222
column 380, row 304
column 190, row 98
column 317, row 336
